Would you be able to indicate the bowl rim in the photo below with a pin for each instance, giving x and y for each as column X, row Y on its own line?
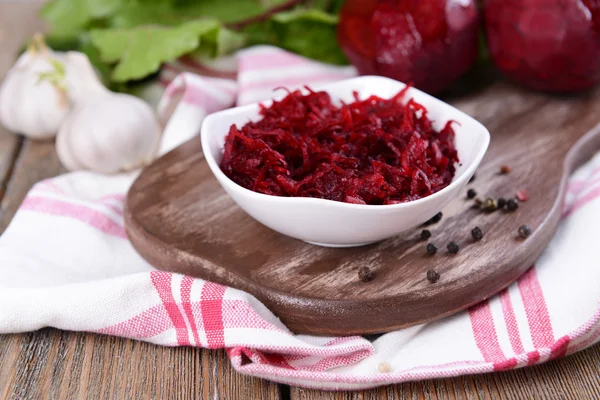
column 225, row 180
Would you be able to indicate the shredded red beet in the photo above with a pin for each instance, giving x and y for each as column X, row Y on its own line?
column 372, row 151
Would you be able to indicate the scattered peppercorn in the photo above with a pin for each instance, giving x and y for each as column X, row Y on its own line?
column 471, row 193
column 477, row 233
column 490, row 204
column 425, row 234
column 512, row 205
column 501, row 202
column 431, row 249
column 522, row 195
column 524, row 231
column 433, row 276
column 505, row 170
column 478, row 202
column 472, row 178
column 453, row 247
column 365, row 274
column 435, row 219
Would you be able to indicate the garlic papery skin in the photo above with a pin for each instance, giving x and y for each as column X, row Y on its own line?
column 108, row 133
column 81, row 79
column 29, row 105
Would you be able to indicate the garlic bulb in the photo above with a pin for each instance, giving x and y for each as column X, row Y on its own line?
column 33, row 97
column 104, row 132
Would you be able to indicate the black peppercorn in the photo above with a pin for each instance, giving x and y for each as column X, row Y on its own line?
column 512, row 205
column 477, row 233
column 435, row 219
column 524, row 231
column 472, row 178
column 431, row 249
column 433, row 276
column 425, row 234
column 365, row 274
column 501, row 202
column 453, row 247
column 471, row 193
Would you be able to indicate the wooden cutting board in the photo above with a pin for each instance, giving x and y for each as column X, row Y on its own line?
column 179, row 219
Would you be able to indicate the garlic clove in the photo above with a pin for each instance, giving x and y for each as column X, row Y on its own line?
column 63, row 149
column 109, row 133
column 81, row 78
column 27, row 105
column 9, row 99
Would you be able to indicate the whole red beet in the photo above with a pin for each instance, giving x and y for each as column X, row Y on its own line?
column 429, row 43
column 549, row 45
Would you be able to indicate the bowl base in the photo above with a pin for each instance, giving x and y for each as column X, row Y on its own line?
column 340, row 246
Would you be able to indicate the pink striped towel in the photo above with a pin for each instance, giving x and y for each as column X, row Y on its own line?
column 65, row 262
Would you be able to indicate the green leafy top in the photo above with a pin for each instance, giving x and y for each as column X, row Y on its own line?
column 140, row 51
column 68, row 18
column 71, row 17
column 309, row 32
column 128, row 40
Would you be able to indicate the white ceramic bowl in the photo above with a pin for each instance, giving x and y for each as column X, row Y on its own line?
column 336, row 224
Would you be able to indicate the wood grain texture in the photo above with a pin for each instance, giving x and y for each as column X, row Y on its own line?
column 67, row 365
column 36, row 161
column 570, row 378
column 180, row 219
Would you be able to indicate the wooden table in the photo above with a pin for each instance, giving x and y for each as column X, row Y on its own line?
column 66, row 365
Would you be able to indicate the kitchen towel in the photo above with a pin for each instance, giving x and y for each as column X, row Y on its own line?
column 65, row 262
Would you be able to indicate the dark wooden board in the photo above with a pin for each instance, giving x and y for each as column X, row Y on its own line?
column 179, row 219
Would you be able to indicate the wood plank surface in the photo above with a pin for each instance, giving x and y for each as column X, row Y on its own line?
column 66, row 365
column 37, row 160
column 51, row 364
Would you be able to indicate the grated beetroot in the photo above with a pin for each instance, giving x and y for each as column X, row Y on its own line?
column 373, row 151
